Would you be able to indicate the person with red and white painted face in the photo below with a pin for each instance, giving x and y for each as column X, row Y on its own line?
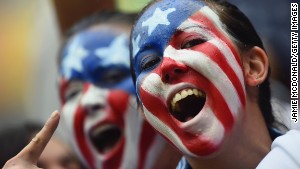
column 98, row 100
column 201, row 76
column 99, row 111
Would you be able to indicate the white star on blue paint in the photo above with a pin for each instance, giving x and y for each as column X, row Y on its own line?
column 73, row 60
column 116, row 53
column 135, row 45
column 158, row 17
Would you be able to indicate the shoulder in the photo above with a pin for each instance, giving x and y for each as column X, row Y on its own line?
column 284, row 152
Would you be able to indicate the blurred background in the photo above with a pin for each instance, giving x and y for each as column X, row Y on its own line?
column 31, row 32
column 30, row 35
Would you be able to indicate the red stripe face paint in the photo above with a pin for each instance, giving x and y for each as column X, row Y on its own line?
column 99, row 110
column 106, row 128
column 194, row 94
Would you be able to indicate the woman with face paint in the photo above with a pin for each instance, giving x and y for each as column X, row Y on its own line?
column 201, row 77
column 98, row 99
column 99, row 111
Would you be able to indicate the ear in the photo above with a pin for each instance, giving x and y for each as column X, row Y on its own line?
column 256, row 66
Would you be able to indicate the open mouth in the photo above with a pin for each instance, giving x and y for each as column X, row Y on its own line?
column 187, row 103
column 105, row 137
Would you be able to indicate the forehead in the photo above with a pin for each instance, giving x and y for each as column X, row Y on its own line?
column 92, row 49
column 97, row 41
column 161, row 20
column 94, row 37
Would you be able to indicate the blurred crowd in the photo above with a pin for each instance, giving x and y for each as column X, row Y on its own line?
column 32, row 33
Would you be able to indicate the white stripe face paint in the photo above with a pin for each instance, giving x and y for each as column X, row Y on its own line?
column 98, row 101
column 202, row 56
column 166, row 131
column 204, row 65
column 133, row 127
column 115, row 108
column 192, row 26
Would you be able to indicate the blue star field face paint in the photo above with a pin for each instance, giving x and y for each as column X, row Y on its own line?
column 99, row 111
column 164, row 15
column 189, row 77
column 101, row 61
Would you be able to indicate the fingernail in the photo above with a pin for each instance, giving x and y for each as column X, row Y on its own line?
column 54, row 114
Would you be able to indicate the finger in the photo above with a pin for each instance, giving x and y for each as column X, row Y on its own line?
column 34, row 149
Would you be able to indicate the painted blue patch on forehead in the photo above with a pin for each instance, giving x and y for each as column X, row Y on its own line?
column 97, row 56
column 159, row 22
column 154, row 29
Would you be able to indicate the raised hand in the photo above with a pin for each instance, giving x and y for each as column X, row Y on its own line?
column 28, row 157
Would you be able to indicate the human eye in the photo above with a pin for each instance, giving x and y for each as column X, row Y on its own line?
column 191, row 42
column 73, row 89
column 149, row 62
column 114, row 76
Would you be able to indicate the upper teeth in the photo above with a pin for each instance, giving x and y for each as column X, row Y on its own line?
column 100, row 129
column 184, row 93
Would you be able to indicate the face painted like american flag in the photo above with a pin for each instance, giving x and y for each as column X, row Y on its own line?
column 99, row 109
column 189, row 75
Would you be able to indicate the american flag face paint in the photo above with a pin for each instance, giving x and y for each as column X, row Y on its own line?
column 189, row 75
column 98, row 104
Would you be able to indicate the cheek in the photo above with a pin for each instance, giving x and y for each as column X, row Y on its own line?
column 151, row 83
column 69, row 110
column 218, row 65
column 152, row 91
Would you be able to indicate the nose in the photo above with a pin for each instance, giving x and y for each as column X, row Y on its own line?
column 171, row 70
column 118, row 100
column 93, row 99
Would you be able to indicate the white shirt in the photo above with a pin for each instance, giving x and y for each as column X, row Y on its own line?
column 285, row 152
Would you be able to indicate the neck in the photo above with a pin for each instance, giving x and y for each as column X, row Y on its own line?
column 248, row 144
column 168, row 158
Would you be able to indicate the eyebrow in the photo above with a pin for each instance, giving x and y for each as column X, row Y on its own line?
column 193, row 27
column 200, row 27
column 190, row 23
